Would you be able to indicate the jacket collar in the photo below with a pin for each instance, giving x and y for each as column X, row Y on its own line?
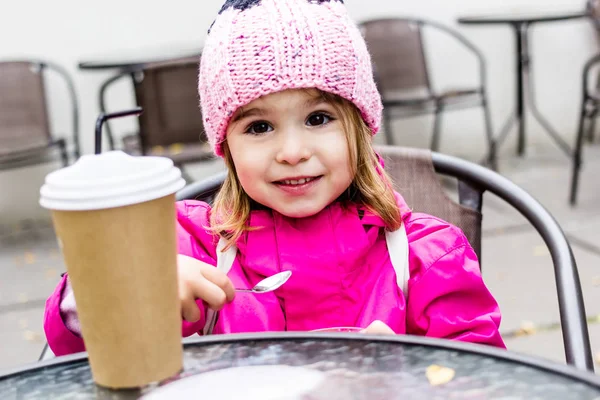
column 265, row 218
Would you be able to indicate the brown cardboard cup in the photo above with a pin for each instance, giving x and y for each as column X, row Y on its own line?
column 119, row 243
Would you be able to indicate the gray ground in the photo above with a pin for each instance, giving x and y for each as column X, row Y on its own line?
column 517, row 266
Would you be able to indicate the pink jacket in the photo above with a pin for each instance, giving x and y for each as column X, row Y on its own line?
column 342, row 276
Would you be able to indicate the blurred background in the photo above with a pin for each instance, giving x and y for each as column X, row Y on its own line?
column 68, row 32
column 517, row 266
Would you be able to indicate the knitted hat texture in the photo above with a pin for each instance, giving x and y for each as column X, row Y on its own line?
column 258, row 47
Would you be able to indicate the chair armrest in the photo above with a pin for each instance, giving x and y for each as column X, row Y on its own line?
column 572, row 310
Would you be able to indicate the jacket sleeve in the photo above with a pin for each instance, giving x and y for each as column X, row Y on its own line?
column 61, row 339
column 448, row 298
column 61, row 324
column 194, row 240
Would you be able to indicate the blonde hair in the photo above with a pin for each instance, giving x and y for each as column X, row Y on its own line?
column 371, row 187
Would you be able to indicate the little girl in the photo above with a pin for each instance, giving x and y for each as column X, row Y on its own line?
column 289, row 102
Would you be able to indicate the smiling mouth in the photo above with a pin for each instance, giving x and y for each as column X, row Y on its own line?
column 297, row 182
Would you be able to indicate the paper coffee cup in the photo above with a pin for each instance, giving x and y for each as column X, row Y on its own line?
column 114, row 217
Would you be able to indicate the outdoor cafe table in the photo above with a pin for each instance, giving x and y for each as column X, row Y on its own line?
column 349, row 366
column 352, row 366
column 126, row 59
column 520, row 22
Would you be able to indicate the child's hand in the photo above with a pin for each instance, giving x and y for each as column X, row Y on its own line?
column 198, row 280
column 378, row 328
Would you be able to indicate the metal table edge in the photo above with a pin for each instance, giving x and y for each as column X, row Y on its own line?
column 483, row 350
column 97, row 65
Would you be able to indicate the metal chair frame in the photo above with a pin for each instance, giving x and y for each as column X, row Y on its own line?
column 136, row 74
column 590, row 105
column 436, row 104
column 41, row 155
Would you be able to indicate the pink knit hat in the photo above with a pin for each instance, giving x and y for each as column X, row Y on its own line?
column 257, row 47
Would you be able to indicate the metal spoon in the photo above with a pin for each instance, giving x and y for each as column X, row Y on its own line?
column 269, row 284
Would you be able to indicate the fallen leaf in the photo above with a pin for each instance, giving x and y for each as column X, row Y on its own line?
column 438, row 375
column 30, row 258
column 527, row 328
column 176, row 148
column 32, row 336
column 158, row 150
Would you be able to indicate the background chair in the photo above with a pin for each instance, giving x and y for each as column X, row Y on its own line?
column 592, row 8
column 403, row 77
column 414, row 173
column 25, row 137
column 171, row 124
column 590, row 103
column 593, row 12
column 588, row 113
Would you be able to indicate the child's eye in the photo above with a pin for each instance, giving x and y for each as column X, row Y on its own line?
column 259, row 128
column 317, row 119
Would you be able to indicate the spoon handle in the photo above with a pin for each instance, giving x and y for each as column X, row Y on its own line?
column 244, row 290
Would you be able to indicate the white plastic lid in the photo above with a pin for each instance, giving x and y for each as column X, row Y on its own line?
column 108, row 180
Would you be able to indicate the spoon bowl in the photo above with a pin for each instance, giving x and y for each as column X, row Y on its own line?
column 269, row 284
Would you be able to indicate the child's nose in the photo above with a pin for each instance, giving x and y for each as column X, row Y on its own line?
column 294, row 147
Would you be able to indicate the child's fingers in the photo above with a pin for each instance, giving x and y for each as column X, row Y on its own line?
column 221, row 280
column 206, row 290
column 378, row 328
column 189, row 309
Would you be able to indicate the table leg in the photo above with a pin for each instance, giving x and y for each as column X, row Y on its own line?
column 529, row 95
column 518, row 115
column 521, row 68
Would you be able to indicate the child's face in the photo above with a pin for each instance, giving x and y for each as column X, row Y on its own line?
column 290, row 152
